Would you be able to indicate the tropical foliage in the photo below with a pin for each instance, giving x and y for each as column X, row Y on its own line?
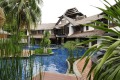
column 45, row 42
column 107, row 67
column 41, row 51
column 20, row 14
column 71, row 46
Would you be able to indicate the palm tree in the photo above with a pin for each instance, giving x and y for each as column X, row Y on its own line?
column 107, row 67
column 20, row 14
column 45, row 42
column 70, row 46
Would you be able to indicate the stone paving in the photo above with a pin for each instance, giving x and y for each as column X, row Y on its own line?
column 80, row 65
column 55, row 76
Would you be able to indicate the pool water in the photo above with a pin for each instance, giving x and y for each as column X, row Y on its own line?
column 31, row 47
column 53, row 63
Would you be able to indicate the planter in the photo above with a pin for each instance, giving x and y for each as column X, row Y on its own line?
column 41, row 51
column 68, row 66
column 44, row 54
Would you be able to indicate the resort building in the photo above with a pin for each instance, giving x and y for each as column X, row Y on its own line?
column 88, row 31
column 66, row 25
column 37, row 32
column 70, row 26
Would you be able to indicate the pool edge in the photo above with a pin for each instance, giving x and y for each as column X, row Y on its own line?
column 75, row 69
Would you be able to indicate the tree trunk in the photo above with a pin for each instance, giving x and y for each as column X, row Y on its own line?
column 45, row 50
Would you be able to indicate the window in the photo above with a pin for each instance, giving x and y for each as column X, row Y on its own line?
column 40, row 31
column 33, row 32
column 87, row 28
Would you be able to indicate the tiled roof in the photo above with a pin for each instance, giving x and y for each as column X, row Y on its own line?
column 87, row 33
column 41, row 36
column 46, row 26
column 89, row 19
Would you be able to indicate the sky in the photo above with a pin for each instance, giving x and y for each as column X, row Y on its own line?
column 52, row 9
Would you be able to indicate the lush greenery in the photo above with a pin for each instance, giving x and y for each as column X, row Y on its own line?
column 108, row 67
column 41, row 51
column 45, row 42
column 21, row 13
column 20, row 16
column 72, row 46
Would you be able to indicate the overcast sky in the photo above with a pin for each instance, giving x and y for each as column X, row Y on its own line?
column 52, row 9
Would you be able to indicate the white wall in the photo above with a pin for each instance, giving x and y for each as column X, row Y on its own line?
column 84, row 28
column 28, row 33
column 71, row 31
column 90, row 28
column 50, row 32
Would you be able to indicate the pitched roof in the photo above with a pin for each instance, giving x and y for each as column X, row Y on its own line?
column 72, row 12
column 72, row 21
column 46, row 26
column 89, row 19
column 84, row 20
column 69, row 15
column 41, row 36
column 60, row 25
column 87, row 34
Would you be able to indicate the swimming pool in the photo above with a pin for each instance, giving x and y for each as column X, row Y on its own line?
column 53, row 63
column 31, row 47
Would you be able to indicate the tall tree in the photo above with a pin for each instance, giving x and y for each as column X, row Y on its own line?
column 21, row 13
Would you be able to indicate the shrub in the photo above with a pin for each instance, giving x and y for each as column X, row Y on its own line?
column 39, row 51
column 49, row 51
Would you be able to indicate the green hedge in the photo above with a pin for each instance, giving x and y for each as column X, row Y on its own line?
column 41, row 51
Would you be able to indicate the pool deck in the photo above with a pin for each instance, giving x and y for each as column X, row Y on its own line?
column 58, row 76
column 55, row 76
column 80, row 65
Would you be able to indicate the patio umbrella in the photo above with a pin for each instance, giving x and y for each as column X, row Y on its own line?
column 2, row 17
